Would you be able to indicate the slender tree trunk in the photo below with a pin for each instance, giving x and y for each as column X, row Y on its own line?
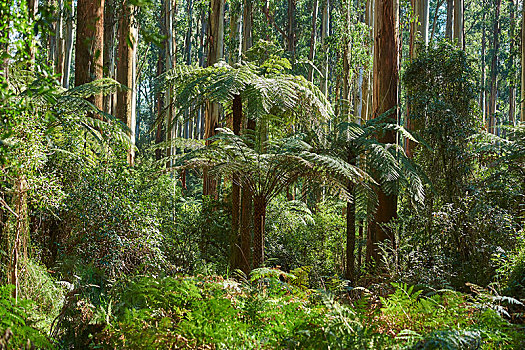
column 60, row 41
column 127, row 45
column 350, row 227
column 313, row 37
column 110, row 36
column 259, row 220
column 68, row 49
column 458, row 23
column 325, row 32
column 385, row 98
column 512, row 68
column 290, row 40
column 450, row 20
column 5, row 17
column 419, row 27
column 170, row 8
column 32, row 10
column 247, row 40
column 482, row 96
column 236, row 253
column 215, row 53
column 189, row 32
column 18, row 253
column 246, row 195
column 494, row 70
column 522, row 117
column 90, row 44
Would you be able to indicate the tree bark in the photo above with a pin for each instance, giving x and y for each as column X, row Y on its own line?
column 290, row 33
column 350, row 227
column 458, row 23
column 482, row 96
column 68, row 49
column 522, row 117
column 236, row 252
column 90, row 44
column 385, row 98
column 259, row 220
column 32, row 10
column 110, row 36
column 246, row 195
column 4, row 41
column 512, row 69
column 60, row 42
column 215, row 53
column 313, row 37
column 450, row 20
column 325, row 32
column 494, row 70
column 127, row 45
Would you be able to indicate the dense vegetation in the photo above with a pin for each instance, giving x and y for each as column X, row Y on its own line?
column 261, row 175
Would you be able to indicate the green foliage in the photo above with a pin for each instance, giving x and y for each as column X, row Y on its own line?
column 17, row 323
column 441, row 99
column 114, row 220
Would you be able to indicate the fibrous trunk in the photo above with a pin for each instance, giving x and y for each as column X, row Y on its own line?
column 259, row 218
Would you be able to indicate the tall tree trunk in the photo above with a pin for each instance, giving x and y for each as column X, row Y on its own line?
column 90, row 44
column 127, row 45
column 385, row 98
column 494, row 70
column 350, row 227
column 512, row 68
column 215, row 52
column 18, row 253
column 450, row 20
column 5, row 18
column 247, row 33
column 313, row 37
column 60, row 41
column 458, row 23
column 259, row 220
column 235, row 47
column 68, row 49
column 189, row 32
column 32, row 10
column 246, row 195
column 290, row 33
column 325, row 32
column 170, row 8
column 417, row 28
column 110, row 36
column 236, row 252
column 160, row 105
column 522, row 117
column 482, row 97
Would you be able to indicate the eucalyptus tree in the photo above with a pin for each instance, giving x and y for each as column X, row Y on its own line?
column 89, row 47
column 385, row 99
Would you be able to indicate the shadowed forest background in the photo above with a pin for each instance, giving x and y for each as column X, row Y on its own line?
column 248, row 174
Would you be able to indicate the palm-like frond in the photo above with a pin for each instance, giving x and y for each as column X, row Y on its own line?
column 262, row 93
column 269, row 170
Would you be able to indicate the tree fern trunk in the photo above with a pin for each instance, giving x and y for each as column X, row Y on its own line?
column 259, row 218
column 235, row 250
